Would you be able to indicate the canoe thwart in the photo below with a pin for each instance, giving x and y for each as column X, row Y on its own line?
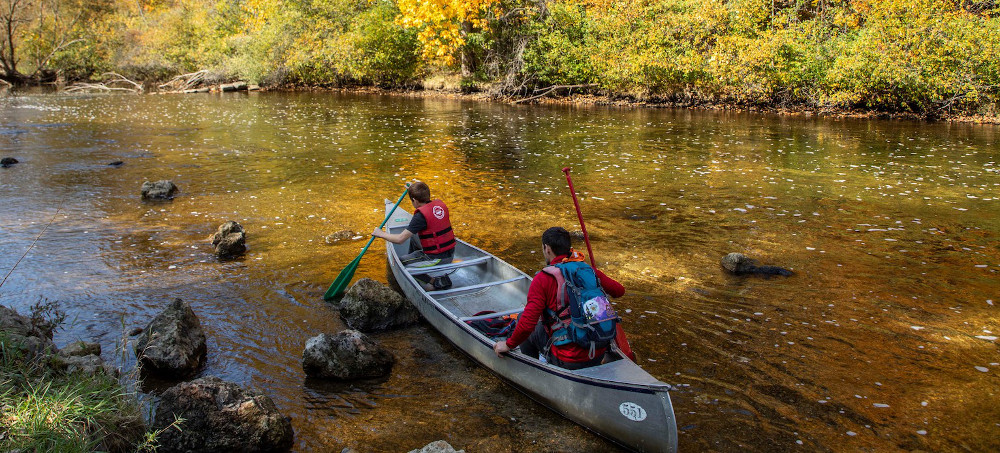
column 479, row 286
column 445, row 267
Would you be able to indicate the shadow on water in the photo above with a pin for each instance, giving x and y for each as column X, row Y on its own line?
column 884, row 339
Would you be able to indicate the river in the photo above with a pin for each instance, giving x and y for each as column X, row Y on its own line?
column 884, row 339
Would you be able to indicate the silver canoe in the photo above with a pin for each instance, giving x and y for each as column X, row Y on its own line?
column 617, row 400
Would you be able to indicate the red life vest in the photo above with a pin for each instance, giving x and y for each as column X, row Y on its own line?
column 438, row 237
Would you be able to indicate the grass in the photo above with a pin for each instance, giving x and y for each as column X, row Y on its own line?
column 43, row 409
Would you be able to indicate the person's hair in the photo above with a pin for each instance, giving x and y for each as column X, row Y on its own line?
column 557, row 238
column 420, row 192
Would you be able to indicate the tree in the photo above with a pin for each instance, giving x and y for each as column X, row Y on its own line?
column 37, row 32
column 13, row 16
column 445, row 25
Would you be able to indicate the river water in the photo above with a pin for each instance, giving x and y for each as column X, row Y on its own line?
column 884, row 339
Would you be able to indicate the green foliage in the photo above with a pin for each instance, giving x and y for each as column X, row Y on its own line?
column 352, row 41
column 921, row 56
column 559, row 55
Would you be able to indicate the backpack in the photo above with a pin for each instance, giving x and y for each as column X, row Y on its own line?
column 585, row 315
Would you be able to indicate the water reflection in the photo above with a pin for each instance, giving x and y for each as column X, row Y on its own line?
column 885, row 338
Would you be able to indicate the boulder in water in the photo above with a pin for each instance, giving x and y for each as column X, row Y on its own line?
column 220, row 416
column 173, row 343
column 740, row 264
column 347, row 355
column 159, row 190
column 229, row 240
column 370, row 306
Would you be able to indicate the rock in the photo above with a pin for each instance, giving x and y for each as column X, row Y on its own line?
column 80, row 349
column 159, row 190
column 341, row 235
column 116, row 163
column 23, row 338
column 220, row 416
column 347, row 355
column 370, row 306
column 173, row 343
column 736, row 263
column 7, row 161
column 740, row 264
column 229, row 240
column 438, row 446
column 87, row 364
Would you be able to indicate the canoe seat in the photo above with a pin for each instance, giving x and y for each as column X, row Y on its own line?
column 446, row 267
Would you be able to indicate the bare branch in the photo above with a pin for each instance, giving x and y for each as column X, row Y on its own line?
column 545, row 91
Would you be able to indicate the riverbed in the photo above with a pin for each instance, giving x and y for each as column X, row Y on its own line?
column 884, row 339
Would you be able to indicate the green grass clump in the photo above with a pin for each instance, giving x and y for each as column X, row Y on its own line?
column 43, row 409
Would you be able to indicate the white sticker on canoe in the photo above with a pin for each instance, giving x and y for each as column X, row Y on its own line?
column 632, row 411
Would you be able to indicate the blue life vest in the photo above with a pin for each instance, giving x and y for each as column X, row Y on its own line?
column 585, row 315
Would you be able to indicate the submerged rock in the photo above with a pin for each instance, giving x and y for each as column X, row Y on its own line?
column 7, row 161
column 341, row 235
column 220, row 416
column 229, row 240
column 159, row 190
column 370, row 306
column 347, row 355
column 438, row 446
column 740, row 264
column 173, row 343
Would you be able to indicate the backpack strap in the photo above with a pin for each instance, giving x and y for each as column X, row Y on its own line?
column 560, row 282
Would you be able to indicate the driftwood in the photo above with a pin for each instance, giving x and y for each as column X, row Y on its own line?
column 545, row 91
column 108, row 86
column 186, row 81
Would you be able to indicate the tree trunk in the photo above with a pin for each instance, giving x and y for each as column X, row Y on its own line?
column 468, row 58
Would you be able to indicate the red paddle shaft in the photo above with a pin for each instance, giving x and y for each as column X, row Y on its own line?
column 620, row 339
column 579, row 215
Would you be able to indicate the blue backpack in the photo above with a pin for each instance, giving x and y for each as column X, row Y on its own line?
column 585, row 315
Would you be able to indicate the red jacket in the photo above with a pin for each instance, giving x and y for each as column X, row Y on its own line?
column 542, row 295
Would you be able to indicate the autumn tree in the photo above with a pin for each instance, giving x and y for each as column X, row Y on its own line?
column 445, row 26
column 37, row 33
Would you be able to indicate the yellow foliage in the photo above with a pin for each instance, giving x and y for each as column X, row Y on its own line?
column 441, row 23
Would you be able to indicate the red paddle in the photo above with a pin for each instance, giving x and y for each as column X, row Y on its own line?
column 620, row 339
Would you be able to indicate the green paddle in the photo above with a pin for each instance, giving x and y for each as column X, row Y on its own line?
column 338, row 286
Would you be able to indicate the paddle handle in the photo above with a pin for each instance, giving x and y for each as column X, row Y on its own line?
column 579, row 215
column 387, row 217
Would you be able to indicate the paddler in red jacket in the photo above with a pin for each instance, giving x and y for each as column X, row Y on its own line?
column 535, row 326
column 431, row 226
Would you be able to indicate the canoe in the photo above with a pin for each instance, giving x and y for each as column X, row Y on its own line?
column 617, row 400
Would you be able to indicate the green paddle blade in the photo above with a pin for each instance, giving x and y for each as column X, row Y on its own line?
column 340, row 284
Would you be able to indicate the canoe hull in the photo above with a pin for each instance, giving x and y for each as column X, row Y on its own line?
column 617, row 400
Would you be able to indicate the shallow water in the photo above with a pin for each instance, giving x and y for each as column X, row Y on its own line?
column 885, row 339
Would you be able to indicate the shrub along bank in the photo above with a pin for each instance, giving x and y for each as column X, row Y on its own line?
column 930, row 57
